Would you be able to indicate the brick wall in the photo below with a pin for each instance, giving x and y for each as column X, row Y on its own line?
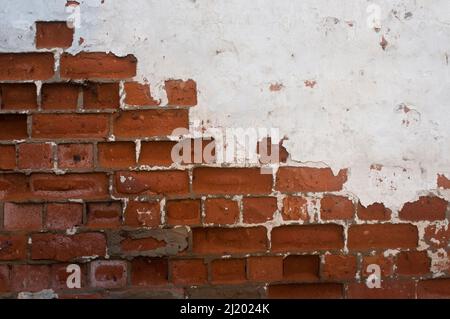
column 87, row 178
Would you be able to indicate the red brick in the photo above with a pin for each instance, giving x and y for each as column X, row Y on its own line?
column 139, row 94
column 26, row 66
column 35, row 156
column 376, row 211
column 151, row 183
column 59, row 276
column 104, row 215
column 117, row 154
column 437, row 236
column 265, row 268
column 295, row 208
column 76, row 156
column 183, row 212
column 22, row 216
column 53, row 34
column 70, row 126
column 386, row 264
column 13, row 247
column 338, row 267
column 301, row 267
column 136, row 245
column 64, row 216
column 14, row 187
column 97, row 65
column 188, row 271
column 149, row 271
column 412, row 263
column 259, row 209
column 7, row 157
column 83, row 186
column 221, row 211
column 147, row 123
column 336, row 207
column 182, row 93
column 14, row 126
column 443, row 182
column 229, row 240
column 108, row 274
column 390, row 289
column 30, row 277
column 306, row 291
column 307, row 237
column 382, row 236
column 156, row 153
column 67, row 248
column 309, row 179
column 5, row 282
column 101, row 96
column 434, row 289
column 59, row 96
column 18, row 96
column 228, row 271
column 425, row 208
column 209, row 180
column 143, row 214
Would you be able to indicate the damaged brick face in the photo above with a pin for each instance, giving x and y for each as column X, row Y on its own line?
column 86, row 178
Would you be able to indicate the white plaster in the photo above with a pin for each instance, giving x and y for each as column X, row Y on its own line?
column 351, row 118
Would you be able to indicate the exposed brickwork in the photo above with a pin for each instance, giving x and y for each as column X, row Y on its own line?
column 87, row 177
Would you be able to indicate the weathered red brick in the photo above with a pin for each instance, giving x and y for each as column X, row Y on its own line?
column 14, row 187
column 437, row 236
column 147, row 123
column 143, row 214
column 306, row 291
column 14, row 126
column 151, row 183
column 228, row 271
column 97, row 65
column 265, row 268
column 104, row 215
column 75, row 156
column 301, row 267
column 149, row 271
column 295, row 208
column 13, row 247
column 209, row 180
column 53, row 34
column 386, row 264
column 182, row 93
column 108, row 274
column 101, row 95
column 229, row 240
column 59, row 96
column 26, row 66
column 412, row 263
column 64, row 216
column 336, row 207
column 67, row 248
column 443, row 182
column 156, row 153
column 390, row 289
column 22, row 216
column 84, row 186
column 188, row 271
column 307, row 237
column 139, row 94
column 259, row 209
column 183, row 212
column 35, row 156
column 18, row 96
column 376, row 211
column 425, row 208
column 382, row 236
column 70, row 126
column 337, row 267
column 7, row 157
column 309, row 179
column 221, row 211
column 59, row 276
column 30, row 277
column 5, row 281
column 117, row 155
column 434, row 289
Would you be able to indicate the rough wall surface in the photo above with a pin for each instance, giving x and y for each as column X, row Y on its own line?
column 87, row 178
